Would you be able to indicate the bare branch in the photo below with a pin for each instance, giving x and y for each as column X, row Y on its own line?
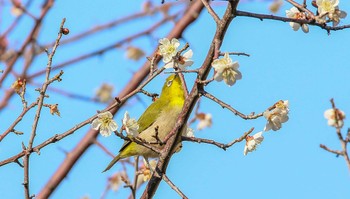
column 174, row 187
column 211, row 12
column 213, row 142
column 19, row 118
column 38, row 112
column 235, row 53
column 225, row 105
column 338, row 153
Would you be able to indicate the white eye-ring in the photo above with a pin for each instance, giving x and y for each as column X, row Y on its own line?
column 169, row 83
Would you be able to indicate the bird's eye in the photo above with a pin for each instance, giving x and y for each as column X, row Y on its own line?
column 169, row 83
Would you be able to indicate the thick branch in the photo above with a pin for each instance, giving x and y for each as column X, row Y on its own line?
column 190, row 101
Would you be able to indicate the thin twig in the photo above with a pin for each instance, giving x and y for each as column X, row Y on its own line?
column 211, row 12
column 173, row 186
column 337, row 152
column 225, row 105
column 343, row 142
column 38, row 112
column 302, row 8
column 218, row 144
column 19, row 118
column 235, row 53
column 134, row 186
column 108, row 152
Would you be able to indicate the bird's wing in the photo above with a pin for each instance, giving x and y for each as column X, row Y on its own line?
column 148, row 117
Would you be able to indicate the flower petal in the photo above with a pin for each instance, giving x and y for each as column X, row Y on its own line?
column 96, row 123
column 113, row 125
column 169, row 65
column 305, row 28
column 175, row 42
column 188, row 54
column 104, row 131
column 164, row 41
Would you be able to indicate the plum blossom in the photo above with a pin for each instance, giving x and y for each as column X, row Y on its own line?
column 168, row 49
column 252, row 142
column 105, row 123
column 277, row 116
column 226, row 70
column 294, row 13
column 130, row 125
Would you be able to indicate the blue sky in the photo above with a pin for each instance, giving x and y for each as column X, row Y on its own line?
column 306, row 69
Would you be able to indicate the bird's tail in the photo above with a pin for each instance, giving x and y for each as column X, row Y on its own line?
column 115, row 160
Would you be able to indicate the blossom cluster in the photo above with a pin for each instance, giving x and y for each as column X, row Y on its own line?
column 327, row 11
column 275, row 117
column 335, row 117
column 224, row 68
column 169, row 50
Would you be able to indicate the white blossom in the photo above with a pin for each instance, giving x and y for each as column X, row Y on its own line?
column 326, row 6
column 130, row 125
column 330, row 9
column 189, row 132
column 330, row 115
column 105, row 123
column 205, row 120
column 146, row 171
column 115, row 181
column 168, row 49
column 294, row 13
column 183, row 62
column 252, row 142
column 336, row 16
column 277, row 116
column 226, row 70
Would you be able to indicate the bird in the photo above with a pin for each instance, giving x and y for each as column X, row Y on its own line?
column 159, row 117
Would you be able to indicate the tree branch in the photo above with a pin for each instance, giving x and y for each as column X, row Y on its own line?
column 190, row 101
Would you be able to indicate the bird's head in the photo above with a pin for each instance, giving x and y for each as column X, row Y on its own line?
column 173, row 89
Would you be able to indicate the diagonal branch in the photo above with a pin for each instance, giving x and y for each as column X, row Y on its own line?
column 211, row 12
column 337, row 152
column 190, row 101
column 174, row 187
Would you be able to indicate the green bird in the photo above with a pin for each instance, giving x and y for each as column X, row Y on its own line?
column 161, row 115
